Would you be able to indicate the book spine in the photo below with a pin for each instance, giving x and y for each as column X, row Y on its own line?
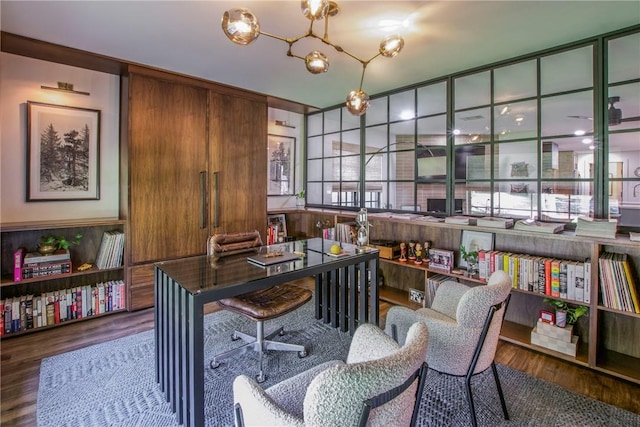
column 2, row 331
column 547, row 276
column 18, row 259
column 585, row 268
column 563, row 279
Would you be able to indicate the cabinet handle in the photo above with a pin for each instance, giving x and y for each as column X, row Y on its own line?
column 203, row 199
column 215, row 200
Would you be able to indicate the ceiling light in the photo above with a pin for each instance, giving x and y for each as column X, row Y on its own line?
column 505, row 110
column 65, row 87
column 587, row 141
column 579, row 132
column 241, row 26
column 406, row 115
column 519, row 119
column 456, row 131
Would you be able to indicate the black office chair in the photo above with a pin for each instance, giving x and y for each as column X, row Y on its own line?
column 259, row 306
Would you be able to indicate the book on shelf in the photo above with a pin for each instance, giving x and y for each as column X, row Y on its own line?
column 593, row 227
column 538, row 227
column 461, row 219
column 56, row 268
column 37, row 258
column 18, row 260
column 494, row 222
column 110, row 253
column 618, row 283
column 429, row 218
column 634, row 237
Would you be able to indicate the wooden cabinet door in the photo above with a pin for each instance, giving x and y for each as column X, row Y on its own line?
column 238, row 164
column 167, row 151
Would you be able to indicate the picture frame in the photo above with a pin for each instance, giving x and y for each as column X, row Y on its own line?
column 475, row 241
column 63, row 153
column 440, row 259
column 281, row 165
column 277, row 224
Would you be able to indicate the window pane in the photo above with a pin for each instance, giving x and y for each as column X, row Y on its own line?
column 402, row 165
column 401, row 196
column 516, row 199
column 477, row 197
column 625, row 111
column 473, row 162
column 402, row 106
column 402, row 135
column 376, row 167
column 516, row 121
column 314, row 193
column 567, row 158
column 567, row 114
column 377, row 111
column 515, row 81
column 314, row 170
column 331, row 145
column 376, row 138
column 472, row 125
column 432, row 163
column 472, row 90
column 432, row 130
column 561, row 203
column 314, row 147
column 332, row 121
column 432, row 198
column 567, row 70
column 314, row 124
column 349, row 121
column 625, row 147
column 516, row 160
column 432, row 99
column 624, row 58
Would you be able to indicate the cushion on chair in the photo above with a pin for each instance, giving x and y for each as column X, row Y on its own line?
column 233, row 243
column 265, row 304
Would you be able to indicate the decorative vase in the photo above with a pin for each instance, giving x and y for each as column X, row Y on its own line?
column 561, row 318
column 300, row 202
column 45, row 249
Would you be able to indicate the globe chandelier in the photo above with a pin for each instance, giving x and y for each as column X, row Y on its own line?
column 241, row 26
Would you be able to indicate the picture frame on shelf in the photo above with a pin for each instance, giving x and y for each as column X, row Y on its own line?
column 474, row 241
column 63, row 153
column 281, row 167
column 440, row 259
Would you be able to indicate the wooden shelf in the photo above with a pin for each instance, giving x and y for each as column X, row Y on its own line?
column 398, row 297
column 8, row 281
column 621, row 365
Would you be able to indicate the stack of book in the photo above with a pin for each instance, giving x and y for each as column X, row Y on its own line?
column 34, row 265
column 111, row 250
column 593, row 227
column 618, row 288
column 495, row 222
column 538, row 227
column 460, row 219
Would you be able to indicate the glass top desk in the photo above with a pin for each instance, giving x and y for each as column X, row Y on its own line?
column 346, row 295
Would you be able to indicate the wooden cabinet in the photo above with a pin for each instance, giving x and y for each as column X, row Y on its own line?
column 605, row 342
column 195, row 164
column 27, row 235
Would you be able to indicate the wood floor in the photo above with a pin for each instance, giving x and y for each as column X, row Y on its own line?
column 21, row 358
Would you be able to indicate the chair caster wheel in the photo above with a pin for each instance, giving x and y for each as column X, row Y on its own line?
column 260, row 378
column 214, row 364
column 302, row 354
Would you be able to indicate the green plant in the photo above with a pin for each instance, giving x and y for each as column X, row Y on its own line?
column 300, row 194
column 468, row 256
column 573, row 312
column 60, row 242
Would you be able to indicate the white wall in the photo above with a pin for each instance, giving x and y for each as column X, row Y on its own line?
column 20, row 81
column 297, row 120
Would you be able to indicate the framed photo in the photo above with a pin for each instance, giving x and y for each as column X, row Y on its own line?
column 475, row 241
column 63, row 153
column 277, row 228
column 440, row 259
column 281, row 167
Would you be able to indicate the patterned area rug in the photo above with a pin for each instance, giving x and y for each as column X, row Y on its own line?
column 113, row 384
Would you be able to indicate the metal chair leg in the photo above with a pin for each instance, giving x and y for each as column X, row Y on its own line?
column 472, row 409
column 502, row 401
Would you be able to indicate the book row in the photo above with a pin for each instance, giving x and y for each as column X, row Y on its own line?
column 111, row 250
column 548, row 276
column 618, row 290
column 36, row 311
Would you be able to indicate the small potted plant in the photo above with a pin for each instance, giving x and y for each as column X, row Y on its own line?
column 49, row 244
column 300, row 195
column 565, row 313
column 471, row 258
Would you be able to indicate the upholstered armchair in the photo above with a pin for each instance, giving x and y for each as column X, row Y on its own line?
column 336, row 393
column 464, row 326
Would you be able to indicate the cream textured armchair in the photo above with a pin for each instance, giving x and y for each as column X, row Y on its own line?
column 464, row 326
column 341, row 394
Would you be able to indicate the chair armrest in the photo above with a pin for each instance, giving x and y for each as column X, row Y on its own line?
column 258, row 409
column 447, row 297
column 370, row 343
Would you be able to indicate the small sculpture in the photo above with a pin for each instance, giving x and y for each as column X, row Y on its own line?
column 412, row 250
column 418, row 260
column 403, row 252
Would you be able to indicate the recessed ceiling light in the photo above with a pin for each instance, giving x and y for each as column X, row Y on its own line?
column 579, row 132
column 456, row 131
column 592, row 147
column 587, row 141
column 505, row 110
column 406, row 115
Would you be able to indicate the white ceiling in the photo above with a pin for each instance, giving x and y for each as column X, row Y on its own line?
column 443, row 37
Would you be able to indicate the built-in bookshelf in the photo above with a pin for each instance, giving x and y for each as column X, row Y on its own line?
column 79, row 293
column 604, row 332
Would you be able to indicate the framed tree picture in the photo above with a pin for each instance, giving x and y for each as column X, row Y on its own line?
column 63, row 153
column 281, row 165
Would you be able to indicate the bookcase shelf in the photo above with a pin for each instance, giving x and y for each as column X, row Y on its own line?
column 27, row 235
column 604, row 333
